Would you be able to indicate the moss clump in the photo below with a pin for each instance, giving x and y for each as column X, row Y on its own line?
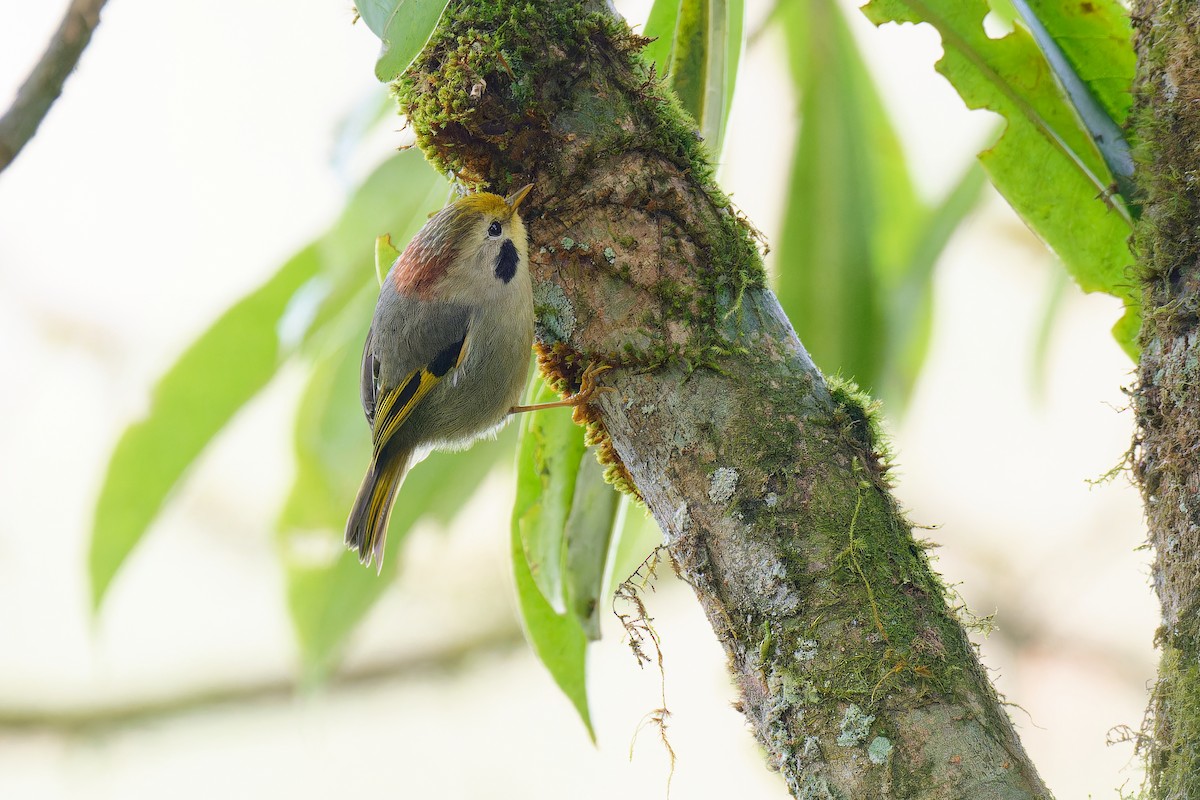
column 1173, row 751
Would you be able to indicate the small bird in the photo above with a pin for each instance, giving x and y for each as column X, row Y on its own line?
column 447, row 354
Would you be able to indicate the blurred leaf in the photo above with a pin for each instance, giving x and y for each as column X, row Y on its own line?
column 214, row 377
column 327, row 598
column 1045, row 163
column 637, row 534
column 1089, row 47
column 588, row 533
column 1055, row 294
column 548, row 458
column 851, row 208
column 236, row 357
column 396, row 199
column 403, row 27
column 734, row 44
column 910, row 295
column 698, row 47
column 558, row 639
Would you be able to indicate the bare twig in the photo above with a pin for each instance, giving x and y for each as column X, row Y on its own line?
column 45, row 82
column 106, row 717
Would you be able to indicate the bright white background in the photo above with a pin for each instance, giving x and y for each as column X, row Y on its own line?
column 189, row 155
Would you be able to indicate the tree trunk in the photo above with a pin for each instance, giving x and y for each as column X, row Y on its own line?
column 1166, row 122
column 768, row 481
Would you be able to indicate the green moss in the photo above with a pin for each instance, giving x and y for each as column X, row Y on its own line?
column 495, row 94
column 1173, row 751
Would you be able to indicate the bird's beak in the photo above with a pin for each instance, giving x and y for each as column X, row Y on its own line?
column 514, row 199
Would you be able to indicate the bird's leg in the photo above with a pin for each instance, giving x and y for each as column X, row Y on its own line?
column 587, row 390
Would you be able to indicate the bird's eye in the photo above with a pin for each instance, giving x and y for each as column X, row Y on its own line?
column 494, row 230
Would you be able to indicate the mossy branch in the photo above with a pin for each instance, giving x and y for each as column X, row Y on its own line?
column 857, row 678
column 1166, row 126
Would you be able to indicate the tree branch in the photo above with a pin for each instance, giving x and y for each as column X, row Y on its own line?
column 45, row 82
column 1166, row 122
column 768, row 482
column 115, row 715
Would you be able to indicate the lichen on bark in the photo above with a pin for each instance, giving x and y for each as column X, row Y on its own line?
column 768, row 481
column 1166, row 125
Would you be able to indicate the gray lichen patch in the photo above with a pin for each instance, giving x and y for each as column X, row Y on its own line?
column 721, row 484
column 855, row 727
column 762, row 578
column 879, row 749
column 555, row 313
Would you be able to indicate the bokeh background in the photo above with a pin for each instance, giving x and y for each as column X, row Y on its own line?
column 195, row 149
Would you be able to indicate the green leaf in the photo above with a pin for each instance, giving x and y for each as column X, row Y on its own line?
column 588, row 534
column 1096, row 37
column 548, row 459
column 385, row 256
column 910, row 296
column 636, row 536
column 1090, row 49
column 198, row 395
column 396, row 199
column 660, row 26
column 1045, row 163
column 403, row 27
column 328, row 591
column 557, row 638
column 698, row 47
column 242, row 350
column 851, row 211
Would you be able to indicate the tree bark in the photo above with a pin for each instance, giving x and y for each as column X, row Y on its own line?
column 769, row 482
column 1166, row 123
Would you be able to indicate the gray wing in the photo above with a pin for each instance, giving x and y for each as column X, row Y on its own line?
column 408, row 337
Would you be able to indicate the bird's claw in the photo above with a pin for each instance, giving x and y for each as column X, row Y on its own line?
column 587, row 385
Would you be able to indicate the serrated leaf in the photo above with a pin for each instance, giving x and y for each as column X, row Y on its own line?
column 588, row 534
column 225, row 367
column 557, row 638
column 403, row 28
column 1044, row 163
column 548, row 458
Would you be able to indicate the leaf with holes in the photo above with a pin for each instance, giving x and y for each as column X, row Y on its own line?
column 1044, row 163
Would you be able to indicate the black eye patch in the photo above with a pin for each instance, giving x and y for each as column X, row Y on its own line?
column 506, row 262
column 494, row 230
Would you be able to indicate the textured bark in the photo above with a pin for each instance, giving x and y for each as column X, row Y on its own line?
column 768, row 481
column 1167, row 450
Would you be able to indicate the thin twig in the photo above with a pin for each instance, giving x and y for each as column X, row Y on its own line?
column 105, row 717
column 45, row 82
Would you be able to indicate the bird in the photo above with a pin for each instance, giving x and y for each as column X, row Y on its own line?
column 447, row 354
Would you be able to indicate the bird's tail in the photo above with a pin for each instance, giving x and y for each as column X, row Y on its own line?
column 366, row 530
